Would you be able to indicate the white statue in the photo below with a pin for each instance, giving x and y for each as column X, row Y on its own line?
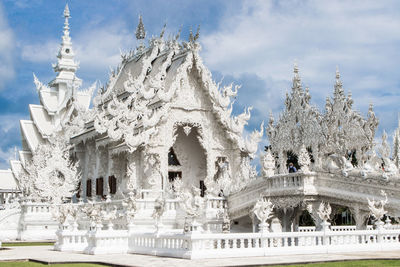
column 159, row 209
column 223, row 177
column 268, row 164
column 324, row 211
column 191, row 202
column 263, row 211
column 304, row 160
column 130, row 208
column 377, row 208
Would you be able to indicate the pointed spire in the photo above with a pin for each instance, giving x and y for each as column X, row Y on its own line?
column 295, row 67
column 67, row 15
column 296, row 78
column 66, row 65
column 338, row 85
column 191, row 38
column 140, row 31
column 140, row 35
column 337, row 73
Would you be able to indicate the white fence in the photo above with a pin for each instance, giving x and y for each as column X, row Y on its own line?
column 203, row 245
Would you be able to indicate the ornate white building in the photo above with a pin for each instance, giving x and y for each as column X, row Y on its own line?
column 159, row 165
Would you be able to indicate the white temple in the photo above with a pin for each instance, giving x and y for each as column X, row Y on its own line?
column 159, row 165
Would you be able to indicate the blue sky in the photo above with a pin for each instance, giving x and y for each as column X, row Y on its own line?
column 253, row 43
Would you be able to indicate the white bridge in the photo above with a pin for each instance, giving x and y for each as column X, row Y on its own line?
column 294, row 192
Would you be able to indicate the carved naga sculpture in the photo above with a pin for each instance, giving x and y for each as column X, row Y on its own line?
column 377, row 208
column 263, row 211
column 324, row 211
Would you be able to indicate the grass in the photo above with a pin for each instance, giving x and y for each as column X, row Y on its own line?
column 361, row 263
column 26, row 244
column 35, row 264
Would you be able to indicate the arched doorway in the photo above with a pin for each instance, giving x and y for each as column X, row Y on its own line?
column 187, row 158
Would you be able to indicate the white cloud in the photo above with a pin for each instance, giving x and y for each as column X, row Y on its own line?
column 96, row 48
column 6, row 50
column 5, row 157
column 265, row 38
column 9, row 138
column 40, row 53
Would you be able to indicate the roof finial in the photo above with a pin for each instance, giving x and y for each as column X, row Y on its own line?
column 140, row 31
column 338, row 84
column 337, row 73
column 191, row 38
column 295, row 67
column 67, row 15
column 296, row 78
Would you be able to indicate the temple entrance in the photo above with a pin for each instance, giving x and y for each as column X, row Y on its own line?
column 187, row 158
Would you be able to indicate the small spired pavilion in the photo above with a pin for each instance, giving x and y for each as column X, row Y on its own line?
column 160, row 118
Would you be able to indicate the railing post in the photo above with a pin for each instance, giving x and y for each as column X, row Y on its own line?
column 379, row 226
column 325, row 228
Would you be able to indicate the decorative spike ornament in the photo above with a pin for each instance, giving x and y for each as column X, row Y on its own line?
column 140, row 31
column 191, row 38
column 339, row 91
column 163, row 30
column 140, row 35
column 296, row 79
column 197, row 34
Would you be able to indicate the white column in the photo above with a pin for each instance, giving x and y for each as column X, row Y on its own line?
column 85, row 167
column 81, row 155
column 108, row 174
column 95, row 173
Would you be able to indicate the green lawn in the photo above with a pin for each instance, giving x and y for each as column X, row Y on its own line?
column 362, row 263
column 34, row 264
column 22, row 244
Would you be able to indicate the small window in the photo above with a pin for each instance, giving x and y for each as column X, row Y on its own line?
column 67, row 50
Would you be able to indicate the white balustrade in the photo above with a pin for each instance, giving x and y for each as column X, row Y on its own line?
column 216, row 202
column 210, row 245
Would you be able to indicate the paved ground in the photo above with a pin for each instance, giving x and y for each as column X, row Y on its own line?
column 47, row 255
